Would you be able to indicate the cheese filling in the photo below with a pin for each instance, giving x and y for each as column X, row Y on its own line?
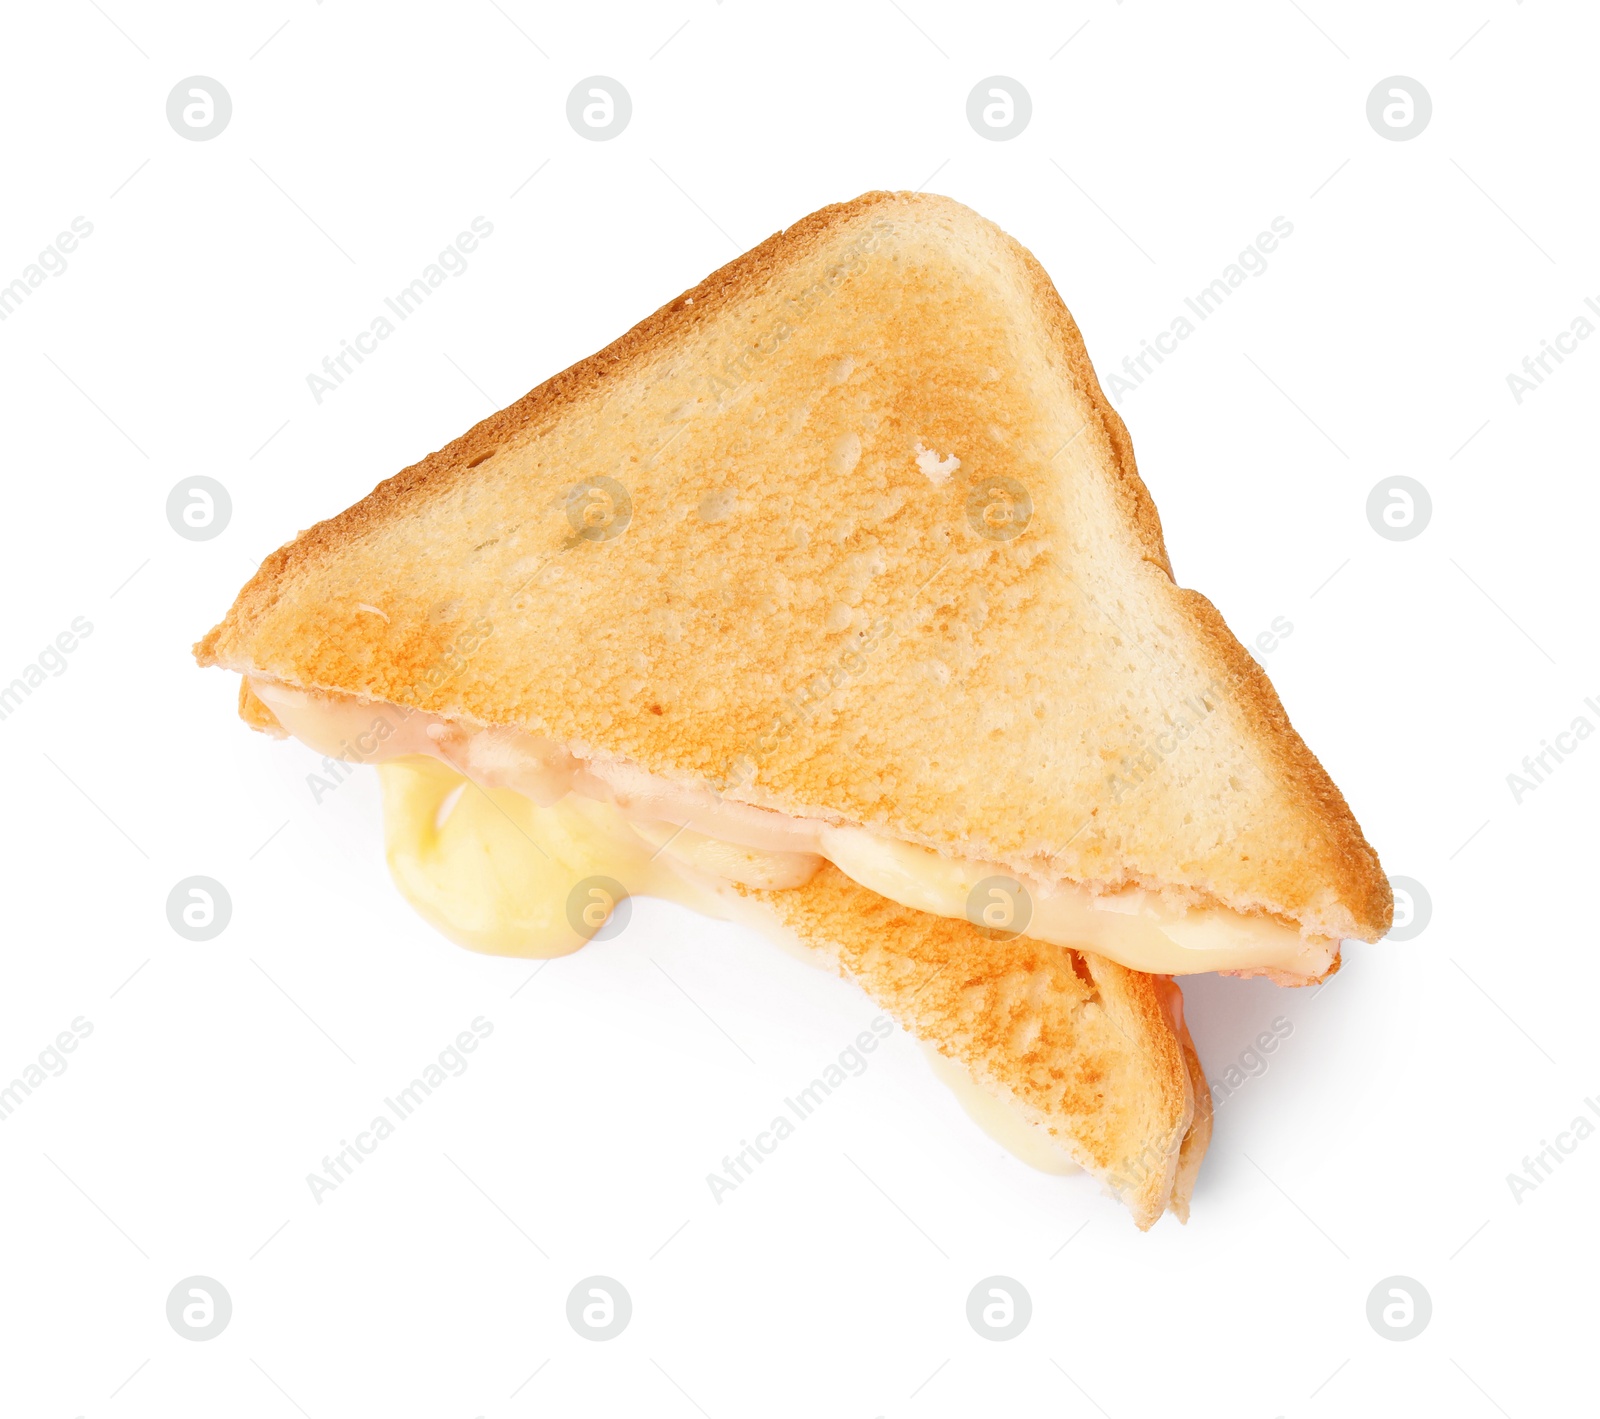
column 663, row 839
column 494, row 871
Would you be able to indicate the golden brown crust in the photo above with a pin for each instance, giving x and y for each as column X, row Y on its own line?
column 1055, row 661
column 1077, row 1043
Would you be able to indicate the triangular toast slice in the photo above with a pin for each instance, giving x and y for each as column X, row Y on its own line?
column 848, row 532
column 1095, row 1054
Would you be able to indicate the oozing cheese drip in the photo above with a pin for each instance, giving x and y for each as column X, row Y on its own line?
column 494, row 871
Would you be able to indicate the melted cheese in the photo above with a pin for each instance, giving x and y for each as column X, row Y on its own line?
column 1133, row 928
column 716, row 839
column 495, row 872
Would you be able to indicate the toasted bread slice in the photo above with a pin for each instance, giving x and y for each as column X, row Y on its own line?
column 847, row 531
column 1093, row 1052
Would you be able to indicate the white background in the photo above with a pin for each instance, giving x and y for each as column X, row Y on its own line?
column 433, row 1283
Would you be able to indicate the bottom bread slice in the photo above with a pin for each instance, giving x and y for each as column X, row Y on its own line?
column 1096, row 1054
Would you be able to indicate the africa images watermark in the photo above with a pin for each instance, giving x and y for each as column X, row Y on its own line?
column 49, row 1063
column 1138, row 766
column 451, row 261
column 367, row 744
column 1536, row 768
column 1252, row 1061
column 1205, row 303
column 850, row 1062
column 52, row 659
column 1267, row 641
column 1536, row 367
column 1541, row 1166
column 1152, row 1160
column 52, row 261
column 449, row 1063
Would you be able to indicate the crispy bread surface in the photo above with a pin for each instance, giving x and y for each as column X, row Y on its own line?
column 849, row 530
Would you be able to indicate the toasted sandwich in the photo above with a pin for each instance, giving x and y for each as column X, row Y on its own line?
column 831, row 593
